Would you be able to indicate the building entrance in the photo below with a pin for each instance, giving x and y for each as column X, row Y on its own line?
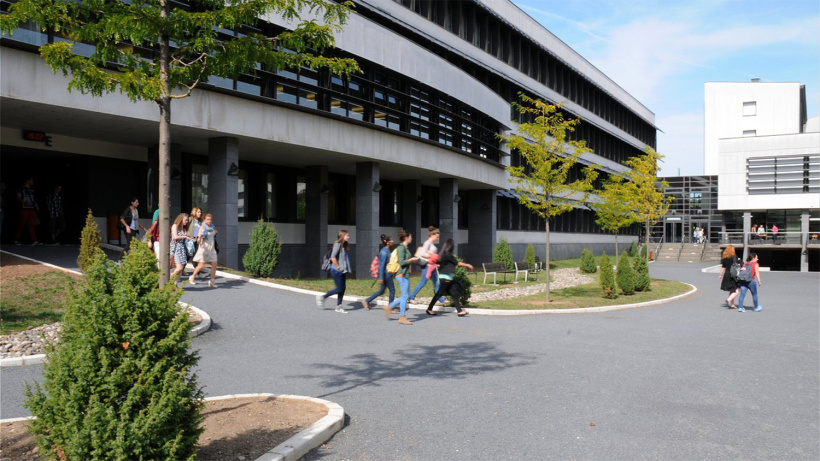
column 673, row 230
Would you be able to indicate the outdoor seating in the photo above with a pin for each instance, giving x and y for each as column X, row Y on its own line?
column 524, row 267
column 495, row 269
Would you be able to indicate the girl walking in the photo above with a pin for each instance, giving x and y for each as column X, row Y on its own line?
column 193, row 228
column 727, row 283
column 403, row 276
column 447, row 265
column 385, row 278
column 751, row 285
column 423, row 253
column 339, row 268
column 206, row 253
column 179, row 235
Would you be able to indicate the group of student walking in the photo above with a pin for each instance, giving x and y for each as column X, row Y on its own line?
column 438, row 266
column 737, row 286
column 192, row 237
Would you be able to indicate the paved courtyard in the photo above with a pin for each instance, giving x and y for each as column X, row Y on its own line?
column 684, row 380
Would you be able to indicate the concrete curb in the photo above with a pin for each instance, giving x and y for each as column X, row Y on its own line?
column 200, row 328
column 473, row 311
column 295, row 447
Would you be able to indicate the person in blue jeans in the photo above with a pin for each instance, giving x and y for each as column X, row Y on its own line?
column 403, row 276
column 423, row 253
column 752, row 285
column 339, row 268
column 385, row 278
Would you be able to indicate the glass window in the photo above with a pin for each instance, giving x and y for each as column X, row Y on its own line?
column 242, row 203
column 749, row 108
column 270, row 197
column 199, row 185
column 301, row 192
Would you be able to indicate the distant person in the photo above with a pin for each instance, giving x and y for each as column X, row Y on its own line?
column 449, row 286
column 28, row 212
column 423, row 254
column 340, row 267
column 129, row 222
column 193, row 228
column 153, row 234
column 179, row 235
column 761, row 232
column 403, row 276
column 206, row 253
column 384, row 277
column 727, row 282
column 753, row 232
column 751, row 285
column 775, row 229
column 56, row 218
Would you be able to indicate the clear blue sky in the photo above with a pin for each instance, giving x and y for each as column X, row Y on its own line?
column 662, row 52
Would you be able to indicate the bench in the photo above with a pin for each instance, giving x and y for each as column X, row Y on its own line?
column 538, row 266
column 495, row 269
column 524, row 267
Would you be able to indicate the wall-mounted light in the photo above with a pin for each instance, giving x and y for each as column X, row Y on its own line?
column 456, row 198
column 325, row 190
column 175, row 173
column 233, row 170
column 419, row 199
column 377, row 187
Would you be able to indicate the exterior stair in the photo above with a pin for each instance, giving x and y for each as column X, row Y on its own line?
column 669, row 252
column 712, row 253
column 690, row 252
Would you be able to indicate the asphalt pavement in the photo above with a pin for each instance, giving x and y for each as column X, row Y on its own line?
column 684, row 380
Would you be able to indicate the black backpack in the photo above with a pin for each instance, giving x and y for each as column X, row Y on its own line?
column 326, row 262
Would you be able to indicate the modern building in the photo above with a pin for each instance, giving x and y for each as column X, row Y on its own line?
column 408, row 143
column 766, row 156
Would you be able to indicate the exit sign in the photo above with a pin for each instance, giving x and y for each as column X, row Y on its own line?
column 37, row 136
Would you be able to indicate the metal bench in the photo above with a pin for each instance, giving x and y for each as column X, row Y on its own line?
column 524, row 267
column 495, row 269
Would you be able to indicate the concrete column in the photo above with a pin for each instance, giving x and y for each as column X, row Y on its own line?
column 411, row 207
column 367, row 217
column 804, row 240
column 482, row 229
column 448, row 209
column 315, row 219
column 223, row 196
column 747, row 225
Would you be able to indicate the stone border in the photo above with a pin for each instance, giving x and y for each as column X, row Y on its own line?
column 474, row 311
column 295, row 447
column 199, row 329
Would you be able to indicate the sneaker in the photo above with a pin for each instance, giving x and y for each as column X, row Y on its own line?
column 320, row 301
column 191, row 280
column 741, row 309
column 341, row 310
column 758, row 308
column 36, row 244
column 17, row 242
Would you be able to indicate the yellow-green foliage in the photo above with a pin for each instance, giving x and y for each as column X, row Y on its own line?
column 89, row 243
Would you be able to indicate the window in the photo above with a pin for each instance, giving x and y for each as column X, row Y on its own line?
column 749, row 109
column 749, row 132
column 301, row 191
column 242, row 196
column 783, row 175
column 199, row 185
column 270, row 196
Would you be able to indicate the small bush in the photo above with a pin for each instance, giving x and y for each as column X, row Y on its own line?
column 626, row 275
column 120, row 385
column 607, row 277
column 588, row 262
column 461, row 277
column 643, row 252
column 89, row 243
column 503, row 254
column 529, row 256
column 264, row 250
column 633, row 250
column 642, row 280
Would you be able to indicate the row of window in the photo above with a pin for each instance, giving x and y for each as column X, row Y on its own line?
column 512, row 215
column 783, row 175
column 485, row 30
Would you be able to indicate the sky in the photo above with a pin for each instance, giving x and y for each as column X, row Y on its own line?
column 663, row 51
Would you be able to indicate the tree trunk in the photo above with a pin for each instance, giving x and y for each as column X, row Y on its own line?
column 164, row 152
column 647, row 240
column 547, row 260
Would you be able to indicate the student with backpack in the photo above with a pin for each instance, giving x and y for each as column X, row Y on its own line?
column 339, row 268
column 399, row 265
column 727, row 279
column 749, row 280
column 383, row 277
column 449, row 286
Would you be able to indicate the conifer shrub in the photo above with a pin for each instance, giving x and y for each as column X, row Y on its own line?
column 642, row 279
column 463, row 278
column 643, row 252
column 607, row 277
column 263, row 253
column 529, row 256
column 633, row 249
column 120, row 384
column 626, row 275
column 588, row 262
column 503, row 254
column 90, row 242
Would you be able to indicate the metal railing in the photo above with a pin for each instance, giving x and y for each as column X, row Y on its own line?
column 735, row 237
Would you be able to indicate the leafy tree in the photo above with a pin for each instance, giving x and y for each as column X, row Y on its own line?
column 613, row 207
column 588, row 262
column 549, row 155
column 90, row 241
column 529, row 256
column 607, row 278
column 264, row 250
column 648, row 202
column 626, row 275
column 503, row 254
column 154, row 50
column 120, row 384
column 642, row 280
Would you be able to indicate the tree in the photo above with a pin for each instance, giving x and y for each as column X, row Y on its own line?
column 263, row 253
column 607, row 278
column 529, row 256
column 503, row 254
column 613, row 208
column 153, row 51
column 588, row 265
column 642, row 280
column 625, row 275
column 648, row 202
column 90, row 241
column 549, row 156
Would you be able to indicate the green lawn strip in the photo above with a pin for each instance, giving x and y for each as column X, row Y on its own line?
column 33, row 300
column 588, row 295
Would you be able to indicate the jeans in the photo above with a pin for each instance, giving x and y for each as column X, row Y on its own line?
column 341, row 285
column 404, row 286
column 387, row 283
column 751, row 286
column 448, row 287
column 423, row 282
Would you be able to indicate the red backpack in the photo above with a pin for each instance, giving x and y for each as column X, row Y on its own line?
column 374, row 267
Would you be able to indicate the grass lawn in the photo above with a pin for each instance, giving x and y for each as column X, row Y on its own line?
column 33, row 300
